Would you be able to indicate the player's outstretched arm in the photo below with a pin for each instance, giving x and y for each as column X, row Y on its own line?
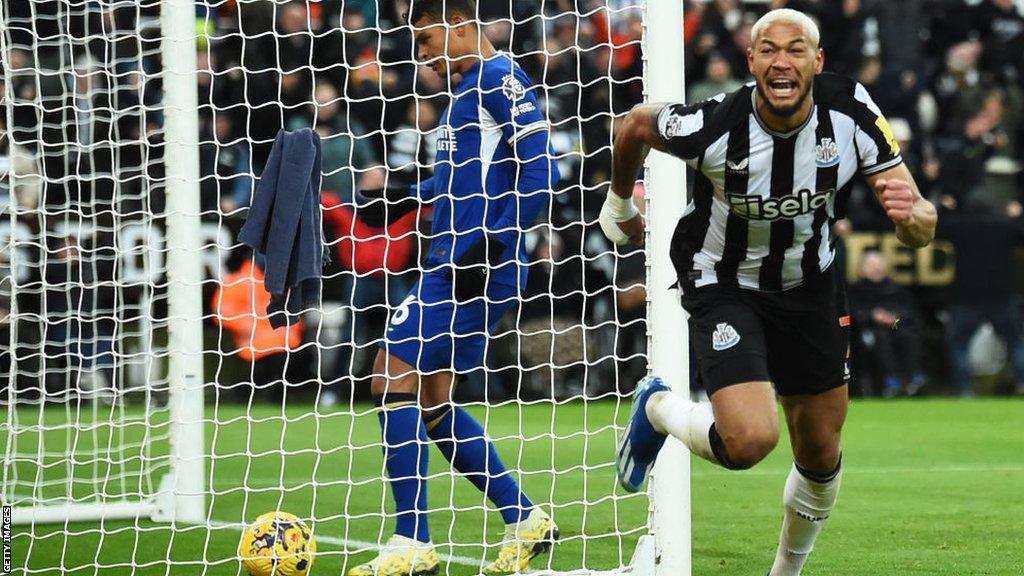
column 636, row 135
column 915, row 217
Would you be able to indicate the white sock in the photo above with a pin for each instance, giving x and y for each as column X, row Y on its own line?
column 688, row 421
column 808, row 505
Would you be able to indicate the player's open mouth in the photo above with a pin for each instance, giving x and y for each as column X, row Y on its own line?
column 782, row 88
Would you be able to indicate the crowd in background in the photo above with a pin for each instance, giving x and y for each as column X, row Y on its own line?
column 947, row 73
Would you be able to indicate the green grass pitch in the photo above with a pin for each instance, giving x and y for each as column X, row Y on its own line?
column 931, row 487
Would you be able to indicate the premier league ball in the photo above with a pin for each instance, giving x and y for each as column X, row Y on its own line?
column 277, row 544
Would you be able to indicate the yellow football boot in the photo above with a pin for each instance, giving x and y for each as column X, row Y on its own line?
column 401, row 556
column 523, row 542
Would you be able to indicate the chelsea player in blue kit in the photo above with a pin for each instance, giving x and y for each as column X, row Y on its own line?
column 493, row 175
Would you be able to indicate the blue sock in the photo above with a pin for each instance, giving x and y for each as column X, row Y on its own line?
column 462, row 441
column 405, row 457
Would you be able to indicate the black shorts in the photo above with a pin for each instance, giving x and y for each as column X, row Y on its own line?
column 797, row 339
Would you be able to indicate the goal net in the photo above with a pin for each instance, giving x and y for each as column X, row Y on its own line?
column 151, row 411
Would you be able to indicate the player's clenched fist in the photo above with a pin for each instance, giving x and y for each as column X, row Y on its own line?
column 620, row 221
column 897, row 197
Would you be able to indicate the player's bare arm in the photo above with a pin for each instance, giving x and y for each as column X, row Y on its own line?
column 637, row 134
column 913, row 215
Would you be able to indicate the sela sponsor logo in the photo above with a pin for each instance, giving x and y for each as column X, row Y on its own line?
column 826, row 153
column 446, row 141
column 754, row 207
column 512, row 88
column 724, row 337
column 739, row 167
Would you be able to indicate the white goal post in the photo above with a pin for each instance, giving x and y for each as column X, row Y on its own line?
column 184, row 268
column 122, row 434
column 668, row 341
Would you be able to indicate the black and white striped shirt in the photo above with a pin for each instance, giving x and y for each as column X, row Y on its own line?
column 763, row 203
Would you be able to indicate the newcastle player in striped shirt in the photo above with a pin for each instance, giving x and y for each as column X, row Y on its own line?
column 753, row 252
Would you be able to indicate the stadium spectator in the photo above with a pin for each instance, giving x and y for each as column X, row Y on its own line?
column 367, row 9
column 19, row 162
column 963, row 153
column 983, row 290
column 412, row 145
column 271, row 355
column 885, row 336
column 562, row 293
column 277, row 59
column 958, row 77
column 735, row 51
column 718, row 79
column 225, row 94
column 1000, row 25
column 225, row 170
column 898, row 90
column 344, row 152
column 626, row 63
column 376, row 263
column 900, row 30
column 856, row 26
column 80, row 317
column 723, row 19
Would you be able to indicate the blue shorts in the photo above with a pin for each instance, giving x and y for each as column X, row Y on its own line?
column 430, row 332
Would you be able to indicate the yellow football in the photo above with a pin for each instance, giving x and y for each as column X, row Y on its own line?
column 277, row 544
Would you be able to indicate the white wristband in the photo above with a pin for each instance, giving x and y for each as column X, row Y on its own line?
column 620, row 209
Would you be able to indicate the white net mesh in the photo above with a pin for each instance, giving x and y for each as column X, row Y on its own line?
column 288, row 421
column 82, row 257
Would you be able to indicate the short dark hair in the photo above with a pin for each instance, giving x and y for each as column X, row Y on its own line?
column 441, row 10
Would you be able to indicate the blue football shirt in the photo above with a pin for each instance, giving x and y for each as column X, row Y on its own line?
column 494, row 169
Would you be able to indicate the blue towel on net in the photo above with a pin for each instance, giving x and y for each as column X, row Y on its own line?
column 284, row 225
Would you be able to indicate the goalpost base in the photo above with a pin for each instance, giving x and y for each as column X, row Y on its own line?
column 83, row 512
column 158, row 508
column 642, row 563
column 644, row 557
